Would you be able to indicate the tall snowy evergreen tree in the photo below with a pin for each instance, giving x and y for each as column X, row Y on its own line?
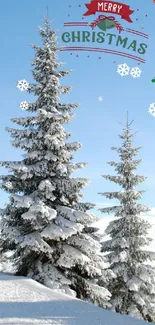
column 44, row 222
column 133, row 288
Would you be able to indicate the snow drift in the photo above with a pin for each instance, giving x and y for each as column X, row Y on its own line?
column 24, row 301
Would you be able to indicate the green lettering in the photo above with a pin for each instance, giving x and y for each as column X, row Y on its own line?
column 85, row 36
column 121, row 41
column 93, row 36
column 76, row 38
column 142, row 48
column 110, row 37
column 100, row 38
column 66, row 34
column 133, row 45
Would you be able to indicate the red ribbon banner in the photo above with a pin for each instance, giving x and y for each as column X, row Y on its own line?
column 112, row 7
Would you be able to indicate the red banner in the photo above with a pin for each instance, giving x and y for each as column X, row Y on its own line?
column 112, row 7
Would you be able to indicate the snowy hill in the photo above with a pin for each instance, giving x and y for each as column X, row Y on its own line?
column 24, row 301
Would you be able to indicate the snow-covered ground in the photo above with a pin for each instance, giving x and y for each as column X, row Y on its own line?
column 24, row 301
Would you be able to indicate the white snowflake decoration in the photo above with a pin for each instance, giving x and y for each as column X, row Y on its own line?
column 152, row 109
column 100, row 99
column 135, row 72
column 22, row 85
column 123, row 69
column 24, row 105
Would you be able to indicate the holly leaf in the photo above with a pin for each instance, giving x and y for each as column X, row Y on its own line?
column 106, row 24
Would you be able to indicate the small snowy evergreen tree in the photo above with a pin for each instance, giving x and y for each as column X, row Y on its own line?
column 133, row 288
column 44, row 222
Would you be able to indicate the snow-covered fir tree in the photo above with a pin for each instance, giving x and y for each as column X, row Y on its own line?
column 44, row 223
column 133, row 288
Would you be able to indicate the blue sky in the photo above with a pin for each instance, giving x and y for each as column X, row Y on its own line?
column 96, row 124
